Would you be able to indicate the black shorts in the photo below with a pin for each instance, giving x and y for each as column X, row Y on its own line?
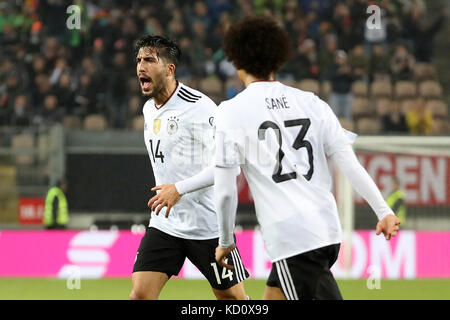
column 307, row 275
column 165, row 253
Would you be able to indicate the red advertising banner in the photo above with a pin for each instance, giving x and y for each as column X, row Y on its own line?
column 424, row 179
column 31, row 210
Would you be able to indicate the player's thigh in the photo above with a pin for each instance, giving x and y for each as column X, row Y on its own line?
column 147, row 285
column 273, row 293
column 236, row 292
column 160, row 252
column 223, row 281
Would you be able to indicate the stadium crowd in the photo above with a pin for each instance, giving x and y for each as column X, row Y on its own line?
column 377, row 80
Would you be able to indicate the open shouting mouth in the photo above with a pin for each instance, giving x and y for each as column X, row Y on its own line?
column 145, row 82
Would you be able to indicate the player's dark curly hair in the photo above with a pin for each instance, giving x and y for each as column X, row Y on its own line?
column 257, row 45
column 165, row 48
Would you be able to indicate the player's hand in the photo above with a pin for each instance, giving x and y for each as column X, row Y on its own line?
column 388, row 226
column 221, row 255
column 167, row 197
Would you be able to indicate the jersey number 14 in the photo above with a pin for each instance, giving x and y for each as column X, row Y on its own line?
column 298, row 143
column 157, row 153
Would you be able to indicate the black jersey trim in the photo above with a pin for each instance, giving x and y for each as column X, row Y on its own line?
column 185, row 99
column 189, row 94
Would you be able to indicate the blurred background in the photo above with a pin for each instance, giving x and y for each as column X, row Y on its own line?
column 70, row 103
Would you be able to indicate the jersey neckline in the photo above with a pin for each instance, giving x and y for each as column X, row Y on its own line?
column 170, row 98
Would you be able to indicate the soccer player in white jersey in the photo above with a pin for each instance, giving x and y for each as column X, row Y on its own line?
column 282, row 137
column 179, row 138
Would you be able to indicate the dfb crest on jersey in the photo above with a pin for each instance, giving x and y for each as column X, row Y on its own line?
column 156, row 126
column 172, row 125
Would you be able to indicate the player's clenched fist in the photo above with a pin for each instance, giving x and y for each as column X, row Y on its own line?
column 168, row 196
column 388, row 226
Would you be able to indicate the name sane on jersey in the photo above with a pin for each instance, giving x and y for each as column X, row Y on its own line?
column 277, row 103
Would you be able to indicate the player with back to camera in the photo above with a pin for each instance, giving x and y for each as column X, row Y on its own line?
column 282, row 137
column 178, row 135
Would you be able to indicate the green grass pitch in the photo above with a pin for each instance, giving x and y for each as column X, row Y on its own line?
column 179, row 289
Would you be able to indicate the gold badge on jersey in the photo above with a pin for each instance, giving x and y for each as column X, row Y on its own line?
column 156, row 126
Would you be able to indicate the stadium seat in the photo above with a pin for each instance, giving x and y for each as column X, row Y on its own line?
column 438, row 108
column 71, row 122
column 368, row 125
column 347, row 124
column 381, row 88
column 383, row 106
column 361, row 108
column 406, row 105
column 95, row 122
column 290, row 83
column 360, row 89
column 430, row 89
column 405, row 89
column 18, row 143
column 138, row 123
column 424, row 71
column 310, row 85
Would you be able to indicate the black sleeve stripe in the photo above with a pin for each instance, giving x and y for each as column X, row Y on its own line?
column 188, row 93
column 185, row 99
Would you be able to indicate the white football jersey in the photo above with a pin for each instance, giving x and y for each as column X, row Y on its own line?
column 180, row 142
column 281, row 137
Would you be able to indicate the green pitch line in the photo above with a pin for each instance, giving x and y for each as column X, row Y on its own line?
column 177, row 289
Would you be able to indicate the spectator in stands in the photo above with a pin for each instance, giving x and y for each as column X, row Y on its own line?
column 304, row 63
column 419, row 119
column 359, row 63
column 21, row 115
column 85, row 97
column 394, row 122
column 422, row 34
column 39, row 66
column 41, row 88
column 344, row 25
column 34, row 42
column 135, row 104
column 12, row 88
column 341, row 78
column 117, row 99
column 49, row 113
column 402, row 64
column 379, row 64
column 65, row 94
column 327, row 56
